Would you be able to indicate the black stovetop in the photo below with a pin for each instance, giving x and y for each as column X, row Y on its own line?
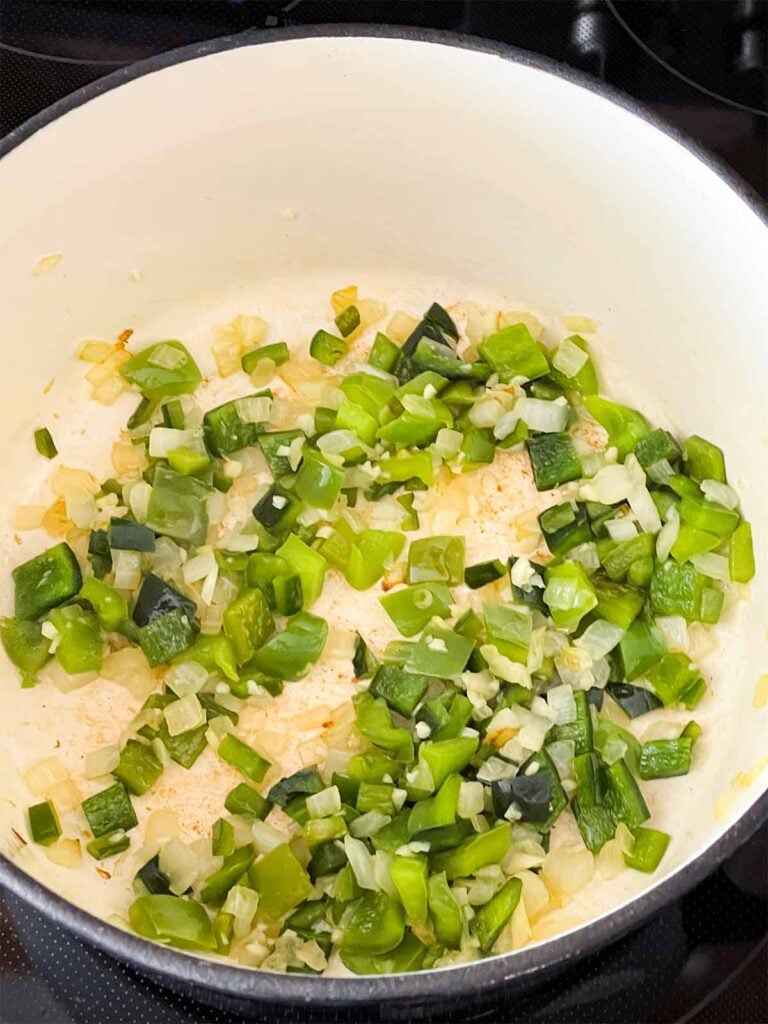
column 701, row 64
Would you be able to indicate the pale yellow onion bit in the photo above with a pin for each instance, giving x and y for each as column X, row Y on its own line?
column 343, row 298
column 234, row 339
column 47, row 263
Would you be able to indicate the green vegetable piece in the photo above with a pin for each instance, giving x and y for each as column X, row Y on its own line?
column 109, row 604
column 478, row 447
column 124, row 535
column 513, row 352
column 325, row 420
column 675, row 679
column 438, row 810
column 248, row 623
column 641, row 647
column 99, row 553
column 655, row 447
column 272, row 444
column 476, row 576
column 45, row 581
column 327, row 348
column 585, row 379
column 409, row 876
column 164, row 638
column 347, row 321
column 490, row 920
column 178, row 507
column 109, row 810
column 156, row 598
column 407, row 466
column 569, row 594
column 25, row 645
column 663, row 759
column 351, row 416
column 44, row 825
column 244, row 758
column 376, row 926
column 214, row 653
column 446, row 912
column 446, row 757
column 232, row 870
column 80, row 646
column 624, row 426
column 439, row 652
column 173, row 414
column 223, row 836
column 138, row 768
column 371, row 767
column 564, row 527
column 288, row 594
column 633, row 700
column 302, row 783
column 374, row 796
column 553, row 460
column 690, row 542
column 474, row 853
column 436, row 560
column 174, row 921
column 677, row 590
column 163, row 369
column 364, row 663
column 152, row 878
column 109, row 845
column 596, row 823
column 431, row 355
column 372, row 393
column 317, row 482
column 509, row 630
column 280, row 880
column 373, row 552
column 321, row 831
column 45, row 444
column 223, row 927
column 617, row 559
column 640, row 571
column 412, row 608
column 617, row 603
column 649, row 847
column 624, row 797
column 401, row 690
column 704, row 460
column 384, row 353
column 375, row 723
column 187, row 461
column 289, row 655
column 580, row 729
column 741, row 555
column 278, row 352
column 226, row 431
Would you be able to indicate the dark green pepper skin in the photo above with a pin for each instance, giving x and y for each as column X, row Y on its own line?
column 45, row 581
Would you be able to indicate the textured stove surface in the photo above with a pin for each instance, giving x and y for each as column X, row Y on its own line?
column 702, row 66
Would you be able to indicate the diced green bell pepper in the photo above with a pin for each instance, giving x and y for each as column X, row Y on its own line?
column 375, row 723
column 409, row 875
column 741, row 555
column 248, row 623
column 474, row 853
column 373, row 552
column 80, row 646
column 138, row 768
column 244, row 758
column 318, row 483
column 45, row 581
column 178, row 506
column 231, row 871
column 290, row 654
column 280, row 880
column 377, row 925
column 411, row 608
column 445, row 910
column 569, row 594
column 109, row 810
column 162, row 370
column 109, row 604
column 490, row 920
column 436, row 560
column 174, row 921
column 25, row 645
column 704, row 460
column 513, row 352
column 44, row 826
column 401, row 690
column 663, row 759
column 553, row 460
column 649, row 847
column 164, row 638
column 624, row 426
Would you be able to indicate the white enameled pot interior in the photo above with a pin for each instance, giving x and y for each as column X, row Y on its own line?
column 259, row 179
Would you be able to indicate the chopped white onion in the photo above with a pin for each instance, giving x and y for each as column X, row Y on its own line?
column 163, row 440
column 503, row 667
column 609, row 485
column 561, row 702
column 568, row 868
column 138, row 499
column 621, row 529
column 242, row 902
column 337, row 442
column 538, row 414
column 198, row 567
column 569, row 358
column 267, row 838
column 599, row 638
column 471, row 799
column 667, row 536
column 712, row 565
column 183, row 715
column 188, row 677
column 486, row 413
column 722, row 494
column 101, row 761
column 127, row 566
column 369, row 824
column 179, row 864
column 254, row 408
column 325, row 803
column 586, row 554
column 674, row 629
column 448, row 442
column 361, row 862
column 562, row 753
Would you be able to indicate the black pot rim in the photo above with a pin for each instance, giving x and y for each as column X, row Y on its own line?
column 481, row 976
